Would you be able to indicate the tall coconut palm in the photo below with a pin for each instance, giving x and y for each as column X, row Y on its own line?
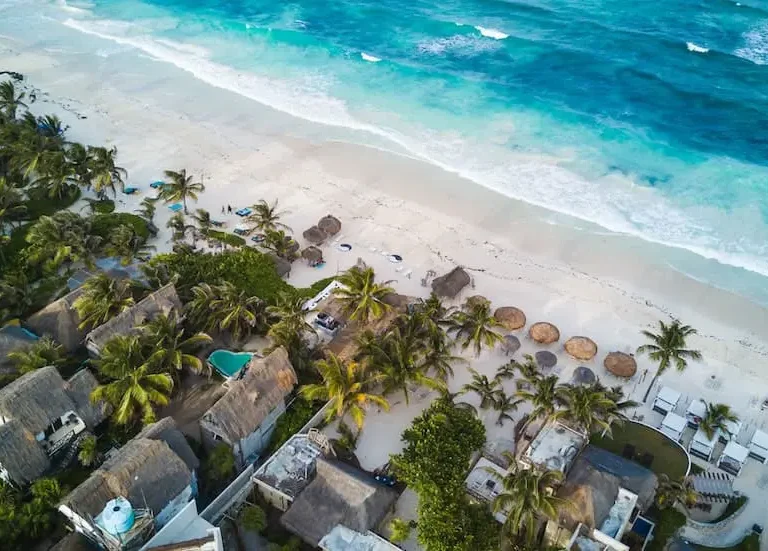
column 362, row 298
column 62, row 238
column 10, row 99
column 281, row 244
column 439, row 360
column 225, row 308
column 716, row 419
column 134, row 388
column 147, row 209
column 283, row 335
column 672, row 492
column 587, row 408
column 43, row 353
column 203, row 220
column 172, row 349
column 487, row 389
column 528, row 496
column 88, row 454
column 180, row 187
column 347, row 387
column 668, row 347
column 177, row 225
column 56, row 176
column 544, row 394
column 18, row 295
column 12, row 207
column 289, row 311
column 102, row 299
column 452, row 398
column 475, row 325
column 105, row 174
column 266, row 217
column 124, row 243
column 504, row 404
column 79, row 158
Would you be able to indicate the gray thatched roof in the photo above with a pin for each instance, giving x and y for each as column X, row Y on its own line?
column 450, row 284
column 20, row 454
column 339, row 494
column 143, row 471
column 315, row 235
column 74, row 541
column 13, row 338
column 282, row 266
column 163, row 301
column 329, row 224
column 36, row 399
column 266, row 383
column 59, row 321
column 79, row 388
column 312, row 254
column 165, row 429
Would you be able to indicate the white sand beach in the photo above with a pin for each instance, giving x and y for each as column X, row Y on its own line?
column 605, row 286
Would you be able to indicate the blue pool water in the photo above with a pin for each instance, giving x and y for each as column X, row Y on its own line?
column 645, row 118
column 229, row 364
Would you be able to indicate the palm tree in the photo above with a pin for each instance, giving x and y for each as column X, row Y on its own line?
column 10, row 100
column 89, row 451
column 147, row 209
column 57, row 176
column 280, row 243
column 439, row 359
column 504, row 404
column 180, row 187
column 544, row 395
column 105, row 174
column 668, row 347
column 12, row 206
column 346, row 386
column 475, row 325
column 203, row 219
column 587, row 408
column 716, row 419
column 289, row 311
column 125, row 244
column 672, row 492
column 43, row 353
column 177, row 225
column 172, row 351
column 265, row 217
column 226, row 308
column 487, row 389
column 527, row 496
column 102, row 299
column 362, row 298
column 135, row 389
column 80, row 159
column 62, row 238
column 451, row 398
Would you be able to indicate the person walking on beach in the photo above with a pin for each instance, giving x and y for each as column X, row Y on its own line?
column 229, row 209
column 222, row 209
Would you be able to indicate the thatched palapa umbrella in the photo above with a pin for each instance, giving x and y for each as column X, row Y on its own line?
column 583, row 376
column 450, row 284
column 329, row 224
column 544, row 332
column 476, row 300
column 282, row 266
column 312, row 254
column 510, row 318
column 546, row 359
column 620, row 364
column 581, row 348
column 510, row 344
column 315, row 235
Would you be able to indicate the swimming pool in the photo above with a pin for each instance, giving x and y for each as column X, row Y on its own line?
column 229, row 364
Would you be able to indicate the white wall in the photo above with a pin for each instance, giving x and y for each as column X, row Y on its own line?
column 255, row 442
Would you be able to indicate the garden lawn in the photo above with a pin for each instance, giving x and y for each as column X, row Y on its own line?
column 668, row 457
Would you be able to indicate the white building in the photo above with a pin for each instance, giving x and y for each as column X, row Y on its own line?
column 554, row 448
column 695, row 413
column 187, row 531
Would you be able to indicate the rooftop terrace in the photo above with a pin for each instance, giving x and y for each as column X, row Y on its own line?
column 554, row 447
column 292, row 467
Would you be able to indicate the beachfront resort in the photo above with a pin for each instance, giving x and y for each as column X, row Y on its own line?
column 179, row 379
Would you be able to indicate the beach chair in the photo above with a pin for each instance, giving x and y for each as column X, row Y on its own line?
column 157, row 185
column 176, row 207
column 243, row 212
column 130, row 190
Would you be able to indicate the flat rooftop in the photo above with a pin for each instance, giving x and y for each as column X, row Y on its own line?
column 342, row 538
column 292, row 467
column 484, row 481
column 554, row 447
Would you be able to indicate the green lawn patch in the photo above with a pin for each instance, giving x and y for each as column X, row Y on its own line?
column 39, row 204
column 732, row 507
column 103, row 224
column 224, row 237
column 750, row 543
column 668, row 457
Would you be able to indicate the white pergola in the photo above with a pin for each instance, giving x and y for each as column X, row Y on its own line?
column 666, row 400
column 733, row 458
column 696, row 412
column 758, row 446
column 702, row 446
column 673, row 426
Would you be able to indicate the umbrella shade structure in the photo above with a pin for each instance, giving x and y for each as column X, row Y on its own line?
column 581, row 348
column 312, row 254
column 544, row 332
column 282, row 266
column 329, row 224
column 546, row 359
column 476, row 300
column 583, row 376
column 620, row 364
column 293, row 245
column 450, row 284
column 315, row 235
column 510, row 344
column 510, row 318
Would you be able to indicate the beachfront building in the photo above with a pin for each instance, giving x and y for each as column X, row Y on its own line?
column 484, row 483
column 758, row 446
column 666, row 400
column 553, row 448
column 673, row 426
column 608, row 492
column 137, row 490
column 187, row 531
column 245, row 416
column 731, row 432
column 42, row 419
column 163, row 301
column 59, row 321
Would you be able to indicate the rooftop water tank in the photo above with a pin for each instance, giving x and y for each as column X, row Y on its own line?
column 117, row 517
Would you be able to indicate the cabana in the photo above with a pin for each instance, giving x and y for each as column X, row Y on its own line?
column 702, row 445
column 758, row 446
column 315, row 235
column 510, row 318
column 581, row 348
column 695, row 413
column 544, row 332
column 583, row 376
column 666, row 400
column 673, row 426
column 312, row 255
column 732, row 430
column 329, row 224
column 733, row 458
column 620, row 364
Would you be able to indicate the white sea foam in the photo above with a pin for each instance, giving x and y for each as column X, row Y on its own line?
column 460, row 44
column 367, row 57
column 755, row 47
column 696, row 48
column 491, row 33
column 72, row 9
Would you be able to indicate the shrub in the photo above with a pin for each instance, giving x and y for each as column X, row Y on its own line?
column 298, row 414
column 104, row 206
column 668, row 522
column 253, row 518
column 224, row 237
column 103, row 224
column 39, row 204
column 399, row 530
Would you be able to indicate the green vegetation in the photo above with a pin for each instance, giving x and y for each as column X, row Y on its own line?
column 226, row 238
column 733, row 506
column 668, row 458
column 668, row 347
column 668, row 522
column 295, row 417
column 749, row 543
column 253, row 517
column 26, row 519
column 104, row 225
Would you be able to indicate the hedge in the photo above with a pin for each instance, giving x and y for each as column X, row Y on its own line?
column 224, row 237
column 103, row 224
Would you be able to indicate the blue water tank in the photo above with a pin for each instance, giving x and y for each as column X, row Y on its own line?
column 117, row 517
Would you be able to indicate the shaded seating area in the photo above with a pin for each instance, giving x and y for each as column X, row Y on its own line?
column 666, row 400
column 620, row 364
column 329, row 224
column 510, row 344
column 314, row 235
column 583, row 376
column 451, row 284
column 544, row 332
column 733, row 458
column 581, row 348
column 673, row 425
column 510, row 318
column 758, row 446
column 313, row 255
column 703, row 446
column 546, row 359
column 696, row 411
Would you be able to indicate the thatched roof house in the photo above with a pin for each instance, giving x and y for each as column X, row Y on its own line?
column 329, row 224
column 450, row 284
column 145, row 471
column 59, row 321
column 163, row 301
column 315, row 235
column 264, row 386
column 13, row 338
column 339, row 494
column 32, row 404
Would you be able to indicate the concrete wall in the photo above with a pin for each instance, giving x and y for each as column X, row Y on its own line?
column 178, row 503
column 250, row 447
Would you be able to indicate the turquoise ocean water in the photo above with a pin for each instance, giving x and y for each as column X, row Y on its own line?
column 645, row 118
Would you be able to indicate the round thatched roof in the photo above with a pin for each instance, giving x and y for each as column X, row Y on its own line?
column 510, row 318
column 620, row 364
column 293, row 245
column 581, row 348
column 544, row 333
column 583, row 376
column 312, row 254
column 477, row 299
column 315, row 235
column 450, row 284
column 546, row 359
column 510, row 345
column 329, row 224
